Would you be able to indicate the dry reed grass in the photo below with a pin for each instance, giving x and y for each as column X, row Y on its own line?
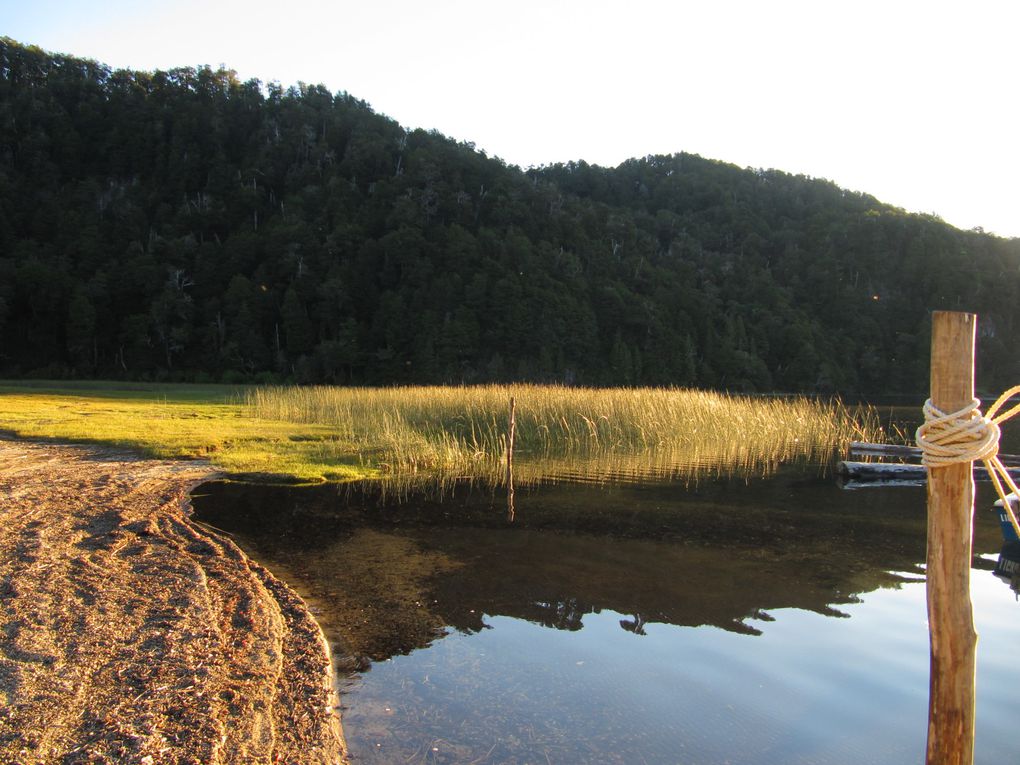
column 461, row 430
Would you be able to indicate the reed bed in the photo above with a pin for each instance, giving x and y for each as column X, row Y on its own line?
column 462, row 430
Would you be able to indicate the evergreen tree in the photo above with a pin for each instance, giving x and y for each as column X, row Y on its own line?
column 186, row 224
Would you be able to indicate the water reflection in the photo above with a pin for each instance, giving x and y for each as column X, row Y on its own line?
column 686, row 466
column 1007, row 568
column 389, row 576
column 599, row 625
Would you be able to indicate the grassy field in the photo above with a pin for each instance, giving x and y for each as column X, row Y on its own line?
column 323, row 433
column 188, row 421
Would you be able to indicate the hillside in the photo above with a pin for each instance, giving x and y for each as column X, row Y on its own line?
column 185, row 225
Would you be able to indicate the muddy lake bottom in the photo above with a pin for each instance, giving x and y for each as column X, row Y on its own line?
column 724, row 620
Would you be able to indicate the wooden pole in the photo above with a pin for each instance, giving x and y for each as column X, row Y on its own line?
column 950, row 518
column 511, row 433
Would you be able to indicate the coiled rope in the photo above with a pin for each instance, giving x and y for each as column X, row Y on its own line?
column 969, row 436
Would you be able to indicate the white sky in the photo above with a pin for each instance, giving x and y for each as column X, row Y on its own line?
column 913, row 102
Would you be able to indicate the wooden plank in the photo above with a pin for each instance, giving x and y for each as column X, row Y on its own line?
column 904, row 471
column 863, row 449
column 952, row 636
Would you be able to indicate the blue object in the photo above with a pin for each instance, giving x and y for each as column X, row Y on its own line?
column 1008, row 532
column 1009, row 561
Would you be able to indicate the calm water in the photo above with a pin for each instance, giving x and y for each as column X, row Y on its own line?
column 728, row 620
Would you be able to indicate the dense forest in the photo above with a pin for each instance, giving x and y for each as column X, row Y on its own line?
column 184, row 225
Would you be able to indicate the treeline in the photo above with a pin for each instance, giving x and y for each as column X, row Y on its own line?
column 185, row 225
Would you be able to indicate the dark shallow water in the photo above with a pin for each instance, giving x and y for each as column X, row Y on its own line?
column 777, row 620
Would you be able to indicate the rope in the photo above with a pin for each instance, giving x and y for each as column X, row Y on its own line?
column 969, row 436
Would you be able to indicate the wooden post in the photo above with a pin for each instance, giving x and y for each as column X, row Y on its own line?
column 950, row 519
column 511, row 433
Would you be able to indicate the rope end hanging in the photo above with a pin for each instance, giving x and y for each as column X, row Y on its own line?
column 968, row 435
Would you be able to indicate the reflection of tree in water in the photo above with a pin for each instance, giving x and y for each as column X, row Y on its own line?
column 637, row 625
column 721, row 555
column 564, row 614
column 569, row 613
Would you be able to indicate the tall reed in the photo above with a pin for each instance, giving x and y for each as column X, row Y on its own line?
column 461, row 429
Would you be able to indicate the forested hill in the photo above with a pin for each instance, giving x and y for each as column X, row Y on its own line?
column 185, row 225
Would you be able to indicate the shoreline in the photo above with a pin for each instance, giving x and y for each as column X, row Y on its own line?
column 133, row 634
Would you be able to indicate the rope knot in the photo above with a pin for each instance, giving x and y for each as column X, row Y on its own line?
column 969, row 436
column 962, row 436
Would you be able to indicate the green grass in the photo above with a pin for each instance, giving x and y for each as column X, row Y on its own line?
column 324, row 433
column 178, row 421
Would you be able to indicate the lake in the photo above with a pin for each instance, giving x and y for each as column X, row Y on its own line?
column 713, row 617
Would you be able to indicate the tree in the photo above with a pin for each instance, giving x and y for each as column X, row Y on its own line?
column 183, row 223
column 300, row 336
column 81, row 331
column 171, row 315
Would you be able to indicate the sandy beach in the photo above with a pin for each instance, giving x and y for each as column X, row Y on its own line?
column 132, row 635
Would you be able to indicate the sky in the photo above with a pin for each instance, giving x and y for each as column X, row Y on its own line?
column 913, row 102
